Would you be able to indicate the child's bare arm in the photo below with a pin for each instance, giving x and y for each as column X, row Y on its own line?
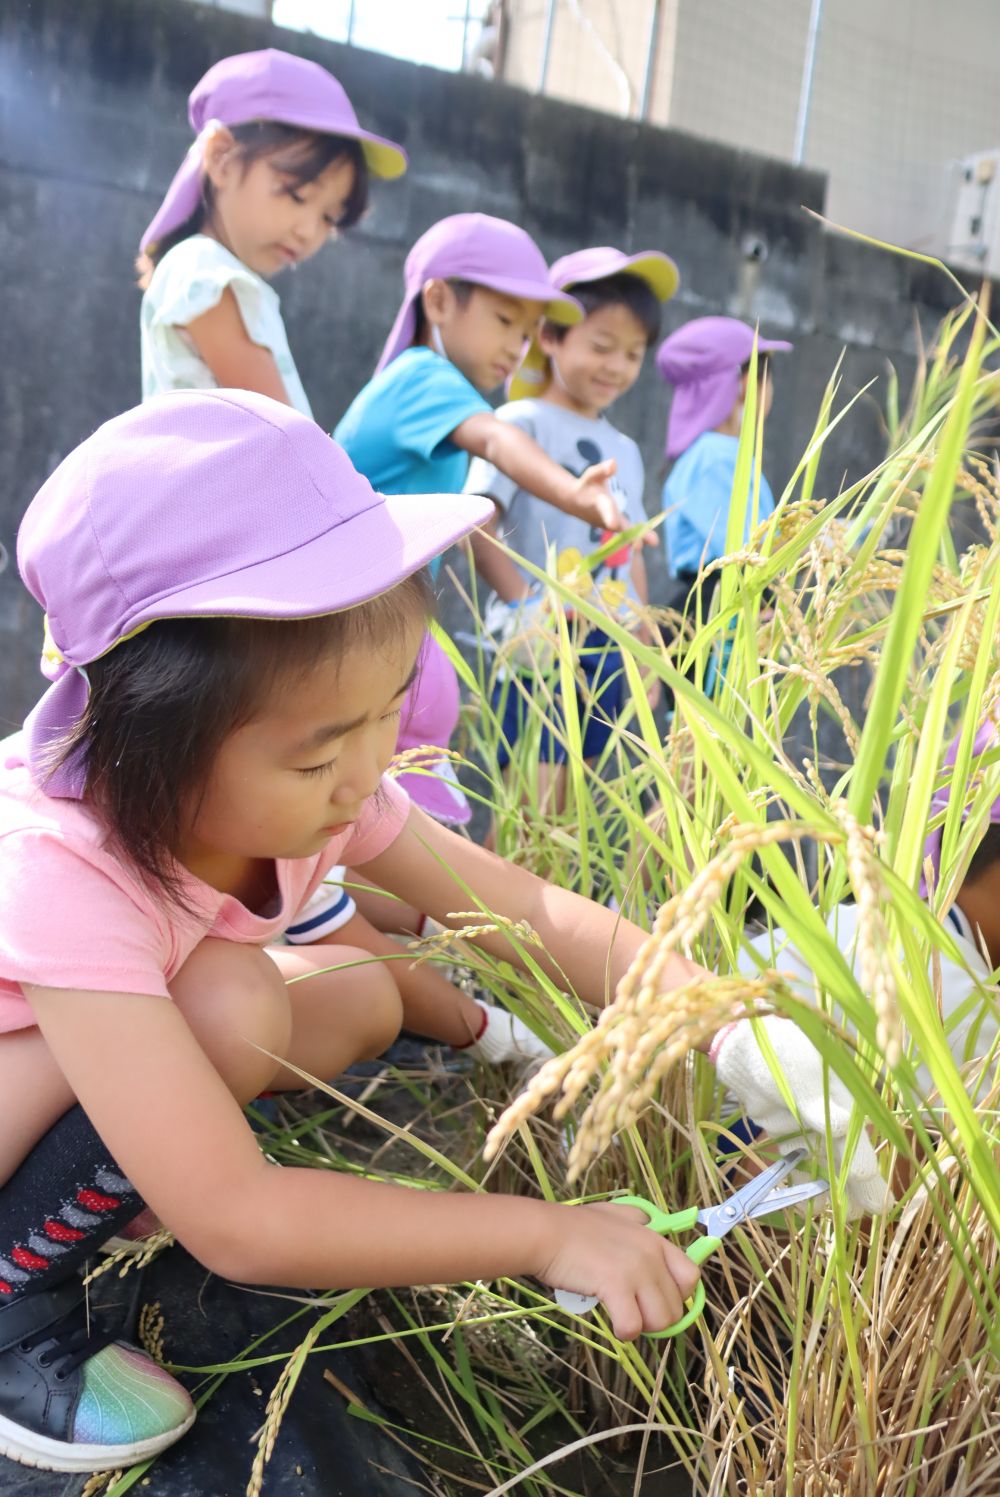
column 640, row 581
column 173, row 1128
column 236, row 361
column 519, row 456
column 592, row 945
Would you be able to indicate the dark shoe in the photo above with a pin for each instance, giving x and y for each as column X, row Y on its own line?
column 73, row 1397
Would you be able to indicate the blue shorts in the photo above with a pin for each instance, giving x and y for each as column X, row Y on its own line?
column 598, row 708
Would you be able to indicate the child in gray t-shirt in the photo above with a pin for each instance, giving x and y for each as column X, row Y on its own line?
column 567, row 380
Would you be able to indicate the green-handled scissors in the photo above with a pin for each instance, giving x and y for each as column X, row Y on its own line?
column 761, row 1196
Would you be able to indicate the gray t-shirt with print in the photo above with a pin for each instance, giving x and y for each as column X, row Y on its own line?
column 529, row 525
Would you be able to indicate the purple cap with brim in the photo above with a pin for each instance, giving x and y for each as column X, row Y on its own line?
column 986, row 738
column 268, row 85
column 428, row 720
column 657, row 270
column 704, row 360
column 207, row 504
column 488, row 252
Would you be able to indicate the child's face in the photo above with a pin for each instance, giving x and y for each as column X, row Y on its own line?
column 597, row 361
column 291, row 778
column 485, row 337
column 765, row 393
column 258, row 212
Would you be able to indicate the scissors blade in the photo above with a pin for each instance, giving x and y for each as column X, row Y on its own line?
column 576, row 1304
column 761, row 1196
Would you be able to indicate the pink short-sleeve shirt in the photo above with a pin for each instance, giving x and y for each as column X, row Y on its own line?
column 74, row 915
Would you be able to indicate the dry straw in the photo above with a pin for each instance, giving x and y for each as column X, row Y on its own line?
column 277, row 1405
column 132, row 1255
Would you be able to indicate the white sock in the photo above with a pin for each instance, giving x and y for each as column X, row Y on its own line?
column 506, row 1037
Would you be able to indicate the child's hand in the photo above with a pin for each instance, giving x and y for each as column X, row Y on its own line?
column 822, row 1102
column 596, row 503
column 641, row 1278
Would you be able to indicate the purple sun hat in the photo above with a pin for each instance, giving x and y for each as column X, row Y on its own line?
column 486, row 251
column 268, row 85
column 657, row 270
column 703, row 360
column 428, row 720
column 206, row 504
column 986, row 738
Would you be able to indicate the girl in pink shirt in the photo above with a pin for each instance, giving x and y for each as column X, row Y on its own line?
column 234, row 618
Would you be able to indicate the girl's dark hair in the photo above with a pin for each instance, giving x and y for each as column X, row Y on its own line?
column 626, row 290
column 264, row 138
column 162, row 703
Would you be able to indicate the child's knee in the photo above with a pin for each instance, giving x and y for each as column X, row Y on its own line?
column 236, row 1003
column 383, row 1010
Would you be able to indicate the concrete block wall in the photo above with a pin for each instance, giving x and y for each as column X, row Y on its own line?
column 93, row 124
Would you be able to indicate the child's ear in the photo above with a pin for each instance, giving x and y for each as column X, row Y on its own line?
column 220, row 156
column 438, row 300
column 548, row 339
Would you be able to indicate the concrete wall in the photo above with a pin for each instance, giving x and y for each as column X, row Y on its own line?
column 92, row 126
column 901, row 88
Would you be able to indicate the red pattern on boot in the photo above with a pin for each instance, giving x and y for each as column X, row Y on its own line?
column 92, row 1200
column 25, row 1259
column 59, row 1232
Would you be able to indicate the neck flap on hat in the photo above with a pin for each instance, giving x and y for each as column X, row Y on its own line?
column 49, row 722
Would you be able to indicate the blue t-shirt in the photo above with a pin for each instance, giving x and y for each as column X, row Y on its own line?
column 696, row 497
column 396, row 430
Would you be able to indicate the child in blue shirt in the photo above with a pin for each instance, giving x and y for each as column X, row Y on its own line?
column 475, row 290
column 567, row 382
column 707, row 362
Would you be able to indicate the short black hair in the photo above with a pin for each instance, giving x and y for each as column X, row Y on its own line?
column 763, row 366
column 162, row 703
column 986, row 854
column 261, row 138
column 463, row 295
column 620, row 290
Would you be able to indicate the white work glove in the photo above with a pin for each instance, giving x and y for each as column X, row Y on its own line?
column 506, row 1038
column 743, row 1070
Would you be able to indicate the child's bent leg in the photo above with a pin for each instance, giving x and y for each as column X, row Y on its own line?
column 339, row 1016
column 67, row 1196
column 237, row 1007
column 243, row 1015
column 434, row 1007
column 431, row 1005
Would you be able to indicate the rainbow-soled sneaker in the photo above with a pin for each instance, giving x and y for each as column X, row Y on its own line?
column 73, row 1397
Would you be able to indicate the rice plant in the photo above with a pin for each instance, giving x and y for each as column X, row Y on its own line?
column 850, row 640
column 836, row 1356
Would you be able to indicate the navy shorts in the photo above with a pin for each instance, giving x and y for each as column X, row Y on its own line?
column 598, row 708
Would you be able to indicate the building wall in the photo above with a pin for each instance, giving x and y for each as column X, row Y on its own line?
column 597, row 51
column 93, row 125
column 901, row 89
